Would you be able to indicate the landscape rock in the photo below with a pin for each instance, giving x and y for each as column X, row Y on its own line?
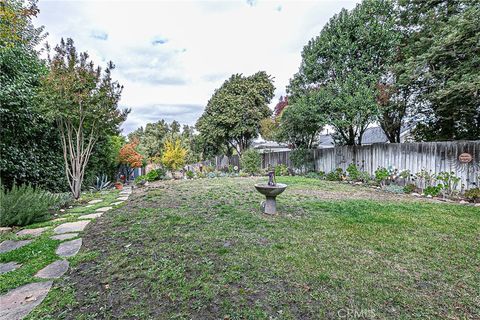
column 9, row 266
column 64, row 236
column 9, row 245
column 463, row 202
column 104, row 209
column 19, row 302
column 94, row 201
column 122, row 198
column 71, row 227
column 5, row 229
column 91, row 216
column 32, row 232
column 53, row 270
column 69, row 248
column 117, row 203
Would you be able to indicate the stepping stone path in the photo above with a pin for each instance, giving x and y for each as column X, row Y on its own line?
column 9, row 245
column 9, row 266
column 91, row 216
column 32, row 232
column 18, row 303
column 64, row 236
column 69, row 248
column 76, row 226
column 59, row 219
column 53, row 270
column 5, row 229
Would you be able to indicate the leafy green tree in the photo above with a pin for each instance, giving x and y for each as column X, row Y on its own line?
column 83, row 100
column 301, row 122
column 233, row 114
column 441, row 61
column 29, row 149
column 345, row 63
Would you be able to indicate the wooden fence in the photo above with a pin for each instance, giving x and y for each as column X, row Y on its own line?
column 431, row 156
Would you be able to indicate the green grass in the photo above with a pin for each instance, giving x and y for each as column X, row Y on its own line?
column 202, row 249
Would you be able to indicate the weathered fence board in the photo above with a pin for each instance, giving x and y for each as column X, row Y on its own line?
column 431, row 156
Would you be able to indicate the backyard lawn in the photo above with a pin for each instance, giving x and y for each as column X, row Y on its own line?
column 201, row 249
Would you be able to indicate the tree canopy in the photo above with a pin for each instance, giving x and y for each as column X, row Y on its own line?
column 233, row 114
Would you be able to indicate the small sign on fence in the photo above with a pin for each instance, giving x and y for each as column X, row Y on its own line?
column 465, row 158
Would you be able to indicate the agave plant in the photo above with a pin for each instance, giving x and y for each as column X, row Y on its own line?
column 101, row 183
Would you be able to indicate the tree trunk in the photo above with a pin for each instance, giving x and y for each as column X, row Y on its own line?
column 75, row 153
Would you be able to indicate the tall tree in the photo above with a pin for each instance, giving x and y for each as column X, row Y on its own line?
column 441, row 60
column 29, row 150
column 233, row 114
column 301, row 123
column 83, row 100
column 345, row 63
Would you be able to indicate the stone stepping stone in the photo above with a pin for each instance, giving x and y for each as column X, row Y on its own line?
column 69, row 248
column 5, row 229
column 64, row 236
column 9, row 245
column 54, row 270
column 32, row 232
column 59, row 219
column 122, row 198
column 19, row 302
column 104, row 209
column 91, row 216
column 76, row 226
column 9, row 266
column 117, row 203
column 94, row 201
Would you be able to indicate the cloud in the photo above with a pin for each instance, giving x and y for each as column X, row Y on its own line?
column 159, row 40
column 184, row 113
column 171, row 56
column 99, row 35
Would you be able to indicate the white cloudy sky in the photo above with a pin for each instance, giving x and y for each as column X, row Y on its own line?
column 170, row 56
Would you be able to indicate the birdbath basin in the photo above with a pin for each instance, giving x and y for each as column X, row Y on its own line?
column 270, row 192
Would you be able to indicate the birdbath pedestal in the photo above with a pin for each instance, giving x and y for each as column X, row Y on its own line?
column 271, row 193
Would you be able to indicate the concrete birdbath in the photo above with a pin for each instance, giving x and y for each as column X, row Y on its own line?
column 271, row 190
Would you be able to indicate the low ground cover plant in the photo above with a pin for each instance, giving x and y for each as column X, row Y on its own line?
column 473, row 194
column 23, row 205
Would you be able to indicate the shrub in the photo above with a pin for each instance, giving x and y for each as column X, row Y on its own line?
column 139, row 179
column 312, row 175
column 281, row 170
column 62, row 200
column 24, row 205
column 353, row 172
column 152, row 176
column 190, row 174
column 251, row 161
column 302, row 159
column 409, row 188
column 449, row 182
column 363, row 176
column 473, row 194
column 381, row 175
column 174, row 154
column 201, row 175
column 336, row 175
column 432, row 190
column 243, row 174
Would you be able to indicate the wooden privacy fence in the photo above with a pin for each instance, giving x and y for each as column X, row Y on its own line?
column 431, row 156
